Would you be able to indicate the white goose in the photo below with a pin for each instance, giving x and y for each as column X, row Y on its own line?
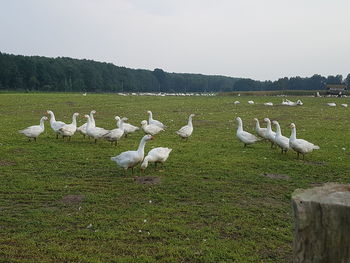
column 331, row 104
column 270, row 135
column 299, row 145
column 68, row 130
column 150, row 128
column 155, row 122
column 93, row 131
column 115, row 134
column 250, row 102
column 280, row 140
column 262, row 132
column 55, row 125
column 82, row 128
column 35, row 130
column 243, row 136
column 130, row 159
column 128, row 128
column 156, row 155
column 186, row 130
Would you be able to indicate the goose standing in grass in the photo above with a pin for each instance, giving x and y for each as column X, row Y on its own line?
column 156, row 155
column 130, row 159
column 150, row 128
column 262, row 132
column 35, row 130
column 55, row 125
column 250, row 102
column 186, row 130
column 68, row 130
column 280, row 140
column 128, row 128
column 82, row 128
column 155, row 122
column 245, row 137
column 270, row 135
column 115, row 134
column 93, row 131
column 299, row 145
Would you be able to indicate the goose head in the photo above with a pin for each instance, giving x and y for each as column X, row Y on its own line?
column 149, row 112
column 45, row 118
column 238, row 119
column 124, row 118
column 92, row 112
column 49, row 112
column 148, row 137
column 192, row 115
column 86, row 116
column 255, row 119
column 267, row 120
column 117, row 118
column 76, row 114
column 292, row 125
column 274, row 122
column 143, row 123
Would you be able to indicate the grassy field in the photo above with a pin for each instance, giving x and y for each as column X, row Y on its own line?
column 68, row 202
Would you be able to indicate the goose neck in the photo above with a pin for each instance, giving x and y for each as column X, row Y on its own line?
column 293, row 135
column 42, row 123
column 74, row 120
column 190, row 121
column 278, row 130
column 240, row 125
column 141, row 149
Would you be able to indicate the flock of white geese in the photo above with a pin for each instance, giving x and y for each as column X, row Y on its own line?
column 300, row 146
column 126, row 160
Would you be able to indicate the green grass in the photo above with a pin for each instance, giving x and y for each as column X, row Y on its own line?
column 212, row 205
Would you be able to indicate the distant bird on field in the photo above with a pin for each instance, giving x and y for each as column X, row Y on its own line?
column 331, row 104
column 250, row 102
column 268, row 104
column 186, row 130
column 344, row 105
column 236, row 102
column 32, row 132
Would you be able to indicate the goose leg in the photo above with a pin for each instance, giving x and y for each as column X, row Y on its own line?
column 84, row 136
column 56, row 136
column 245, row 145
column 34, row 139
column 298, row 156
column 95, row 141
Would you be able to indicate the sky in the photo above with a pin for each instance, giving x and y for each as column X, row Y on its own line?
column 258, row 39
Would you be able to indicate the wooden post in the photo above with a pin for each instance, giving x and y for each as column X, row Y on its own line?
column 322, row 224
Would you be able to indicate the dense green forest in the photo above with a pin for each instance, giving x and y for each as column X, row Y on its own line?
column 35, row 73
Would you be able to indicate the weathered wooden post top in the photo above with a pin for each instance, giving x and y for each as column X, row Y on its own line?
column 322, row 224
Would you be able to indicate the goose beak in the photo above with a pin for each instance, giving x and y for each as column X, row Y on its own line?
column 152, row 138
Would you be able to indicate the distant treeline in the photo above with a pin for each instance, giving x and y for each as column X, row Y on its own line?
column 34, row 73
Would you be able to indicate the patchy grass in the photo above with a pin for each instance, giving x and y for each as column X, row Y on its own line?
column 213, row 201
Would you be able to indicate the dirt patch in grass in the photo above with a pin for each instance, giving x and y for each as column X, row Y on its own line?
column 72, row 199
column 276, row 176
column 6, row 163
column 316, row 184
column 149, row 180
column 70, row 103
column 315, row 163
column 18, row 150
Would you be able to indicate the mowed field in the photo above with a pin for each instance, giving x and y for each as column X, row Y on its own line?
column 213, row 201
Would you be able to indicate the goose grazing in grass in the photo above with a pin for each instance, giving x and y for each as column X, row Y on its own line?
column 243, row 136
column 130, row 159
column 93, row 131
column 115, row 134
column 55, row 125
column 155, row 122
column 299, row 145
column 35, row 130
column 68, row 130
column 186, row 130
column 150, row 128
column 270, row 135
column 262, row 132
column 280, row 140
column 250, row 102
column 128, row 128
column 344, row 105
column 82, row 128
column 156, row 155
column 236, row 102
column 331, row 104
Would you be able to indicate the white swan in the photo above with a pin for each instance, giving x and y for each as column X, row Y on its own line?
column 82, row 128
column 55, row 125
column 243, row 136
column 115, row 134
column 270, row 135
column 262, row 132
column 186, row 130
column 130, row 159
column 299, row 145
column 128, row 128
column 68, row 130
column 93, row 131
column 268, row 104
column 156, row 155
column 155, row 122
column 150, row 128
column 35, row 130
column 280, row 140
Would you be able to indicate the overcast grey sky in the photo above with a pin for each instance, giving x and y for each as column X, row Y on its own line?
column 259, row 39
